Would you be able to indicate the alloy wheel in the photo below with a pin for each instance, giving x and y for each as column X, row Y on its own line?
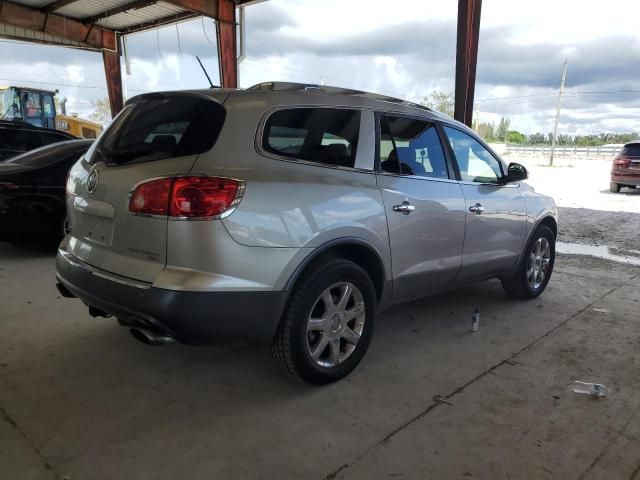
column 335, row 324
column 539, row 261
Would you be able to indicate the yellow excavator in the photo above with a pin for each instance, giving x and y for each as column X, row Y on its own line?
column 38, row 108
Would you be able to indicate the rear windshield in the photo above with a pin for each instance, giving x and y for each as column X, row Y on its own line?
column 49, row 155
column 632, row 150
column 19, row 140
column 322, row 135
column 162, row 126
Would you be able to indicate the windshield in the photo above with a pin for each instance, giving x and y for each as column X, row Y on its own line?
column 162, row 126
column 10, row 104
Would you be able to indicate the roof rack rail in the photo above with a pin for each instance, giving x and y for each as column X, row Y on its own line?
column 312, row 87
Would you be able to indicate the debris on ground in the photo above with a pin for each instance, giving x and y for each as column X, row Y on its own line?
column 593, row 389
column 475, row 321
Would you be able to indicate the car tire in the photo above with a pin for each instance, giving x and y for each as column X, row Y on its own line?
column 614, row 187
column 536, row 266
column 315, row 316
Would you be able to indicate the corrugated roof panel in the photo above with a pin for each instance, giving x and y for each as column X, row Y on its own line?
column 132, row 18
column 88, row 8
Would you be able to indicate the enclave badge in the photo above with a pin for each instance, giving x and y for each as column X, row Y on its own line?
column 92, row 181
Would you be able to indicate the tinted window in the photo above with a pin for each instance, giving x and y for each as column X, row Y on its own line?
column 323, row 135
column 476, row 163
column 632, row 150
column 158, row 126
column 50, row 155
column 19, row 140
column 50, row 137
column 411, row 147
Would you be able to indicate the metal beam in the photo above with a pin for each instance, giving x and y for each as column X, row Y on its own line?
column 208, row 8
column 113, row 75
column 58, row 4
column 226, row 33
column 466, row 58
column 52, row 24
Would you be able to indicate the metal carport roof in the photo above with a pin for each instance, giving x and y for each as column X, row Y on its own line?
column 99, row 25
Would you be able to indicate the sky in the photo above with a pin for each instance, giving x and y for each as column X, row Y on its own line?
column 407, row 51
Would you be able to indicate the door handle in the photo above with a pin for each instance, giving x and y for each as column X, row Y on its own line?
column 406, row 208
column 478, row 209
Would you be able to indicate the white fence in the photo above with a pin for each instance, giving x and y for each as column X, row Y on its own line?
column 563, row 150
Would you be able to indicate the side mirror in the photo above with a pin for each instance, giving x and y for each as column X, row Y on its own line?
column 516, row 173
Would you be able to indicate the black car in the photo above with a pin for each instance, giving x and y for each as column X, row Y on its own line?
column 20, row 137
column 32, row 192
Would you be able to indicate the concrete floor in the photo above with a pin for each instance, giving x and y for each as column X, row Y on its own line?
column 81, row 399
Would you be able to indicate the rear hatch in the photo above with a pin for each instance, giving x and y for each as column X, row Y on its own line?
column 156, row 135
column 628, row 160
column 632, row 152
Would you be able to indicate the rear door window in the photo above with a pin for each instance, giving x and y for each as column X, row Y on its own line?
column 411, row 147
column 159, row 126
column 327, row 136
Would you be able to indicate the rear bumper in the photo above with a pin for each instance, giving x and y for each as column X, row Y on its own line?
column 191, row 317
column 625, row 178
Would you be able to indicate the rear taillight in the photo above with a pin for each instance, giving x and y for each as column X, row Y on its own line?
column 185, row 197
column 202, row 196
column 8, row 186
column 151, row 198
column 622, row 161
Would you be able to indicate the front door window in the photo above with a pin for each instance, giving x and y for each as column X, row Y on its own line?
column 476, row 163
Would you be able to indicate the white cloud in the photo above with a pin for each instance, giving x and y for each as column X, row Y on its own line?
column 406, row 52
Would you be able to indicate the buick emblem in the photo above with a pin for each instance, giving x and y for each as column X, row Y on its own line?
column 92, row 181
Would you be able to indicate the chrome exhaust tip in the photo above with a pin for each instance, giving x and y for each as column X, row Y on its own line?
column 150, row 338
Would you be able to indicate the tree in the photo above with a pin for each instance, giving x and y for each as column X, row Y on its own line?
column 101, row 110
column 503, row 128
column 537, row 139
column 564, row 139
column 513, row 136
column 440, row 101
column 486, row 131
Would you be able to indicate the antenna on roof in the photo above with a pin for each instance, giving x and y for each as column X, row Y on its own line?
column 205, row 72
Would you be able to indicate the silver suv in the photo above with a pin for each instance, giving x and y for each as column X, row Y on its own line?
column 290, row 214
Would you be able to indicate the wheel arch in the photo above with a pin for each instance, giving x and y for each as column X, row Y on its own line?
column 357, row 250
column 548, row 221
